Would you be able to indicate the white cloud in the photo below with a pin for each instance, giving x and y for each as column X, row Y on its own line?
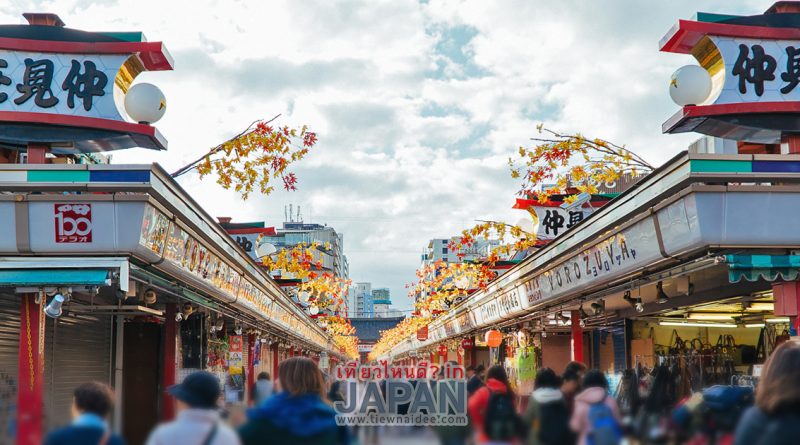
column 417, row 104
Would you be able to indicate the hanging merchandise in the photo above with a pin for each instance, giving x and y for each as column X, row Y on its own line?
column 526, row 368
column 523, row 338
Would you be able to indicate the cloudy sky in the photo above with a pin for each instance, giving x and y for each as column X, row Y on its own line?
column 417, row 103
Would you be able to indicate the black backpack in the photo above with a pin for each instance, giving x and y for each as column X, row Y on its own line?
column 501, row 421
column 551, row 423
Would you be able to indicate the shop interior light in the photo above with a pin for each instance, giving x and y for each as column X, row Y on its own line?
column 754, row 325
column 635, row 302
column 761, row 307
column 777, row 320
column 690, row 324
column 661, row 297
column 710, row 316
column 564, row 319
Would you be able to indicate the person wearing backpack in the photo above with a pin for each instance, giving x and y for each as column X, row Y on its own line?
column 775, row 418
column 596, row 418
column 492, row 410
column 547, row 416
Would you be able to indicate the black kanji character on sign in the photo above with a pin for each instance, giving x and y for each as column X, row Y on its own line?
column 4, row 80
column 36, row 83
column 87, row 85
column 553, row 221
column 792, row 73
column 575, row 218
column 756, row 70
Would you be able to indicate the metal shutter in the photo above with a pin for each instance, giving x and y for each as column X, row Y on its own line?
column 77, row 350
column 9, row 362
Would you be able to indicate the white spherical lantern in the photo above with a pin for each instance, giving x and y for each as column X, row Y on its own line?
column 527, row 225
column 462, row 282
column 313, row 310
column 690, row 85
column 145, row 103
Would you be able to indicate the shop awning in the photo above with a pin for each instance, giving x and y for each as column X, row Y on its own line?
column 54, row 277
column 767, row 267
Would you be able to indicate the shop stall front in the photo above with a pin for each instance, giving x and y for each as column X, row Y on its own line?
column 703, row 246
column 114, row 274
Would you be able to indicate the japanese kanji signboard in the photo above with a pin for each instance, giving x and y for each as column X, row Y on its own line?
column 754, row 65
column 65, row 88
column 753, row 73
column 63, row 84
column 554, row 221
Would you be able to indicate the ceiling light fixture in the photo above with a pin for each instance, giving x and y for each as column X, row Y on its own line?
column 696, row 325
column 710, row 316
column 761, row 306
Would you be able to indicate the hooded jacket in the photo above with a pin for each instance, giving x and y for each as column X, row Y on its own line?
column 478, row 403
column 284, row 419
column 546, row 399
column 583, row 402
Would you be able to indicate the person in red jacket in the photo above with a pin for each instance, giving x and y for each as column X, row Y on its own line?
column 478, row 407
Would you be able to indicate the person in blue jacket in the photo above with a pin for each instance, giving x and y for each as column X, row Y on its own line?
column 91, row 405
column 299, row 415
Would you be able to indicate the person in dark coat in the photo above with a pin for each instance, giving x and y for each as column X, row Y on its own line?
column 299, row 415
column 547, row 416
column 91, row 405
column 775, row 418
column 476, row 381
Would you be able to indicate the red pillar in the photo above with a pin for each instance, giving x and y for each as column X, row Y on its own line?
column 577, row 337
column 275, row 359
column 37, row 153
column 170, row 359
column 30, row 387
column 251, row 358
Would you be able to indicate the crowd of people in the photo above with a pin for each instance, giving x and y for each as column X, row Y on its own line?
column 575, row 407
column 578, row 407
column 295, row 410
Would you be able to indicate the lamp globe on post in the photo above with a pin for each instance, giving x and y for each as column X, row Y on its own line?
column 145, row 103
column 690, row 85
